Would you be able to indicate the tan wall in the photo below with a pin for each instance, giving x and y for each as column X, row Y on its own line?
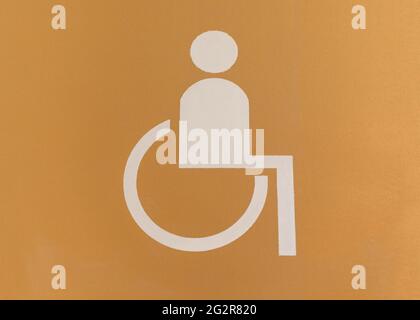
column 345, row 103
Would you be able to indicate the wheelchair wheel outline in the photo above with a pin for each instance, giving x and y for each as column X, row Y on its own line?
column 171, row 240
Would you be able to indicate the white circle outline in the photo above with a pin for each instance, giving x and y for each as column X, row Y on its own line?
column 235, row 231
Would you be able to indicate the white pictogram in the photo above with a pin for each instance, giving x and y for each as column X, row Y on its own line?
column 214, row 107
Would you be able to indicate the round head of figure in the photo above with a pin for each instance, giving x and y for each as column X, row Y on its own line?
column 214, row 51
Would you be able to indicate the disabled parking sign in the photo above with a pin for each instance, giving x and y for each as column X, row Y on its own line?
column 216, row 111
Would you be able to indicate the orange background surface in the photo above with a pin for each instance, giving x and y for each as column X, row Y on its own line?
column 344, row 103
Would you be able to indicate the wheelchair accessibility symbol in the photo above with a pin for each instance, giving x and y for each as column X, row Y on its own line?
column 212, row 110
